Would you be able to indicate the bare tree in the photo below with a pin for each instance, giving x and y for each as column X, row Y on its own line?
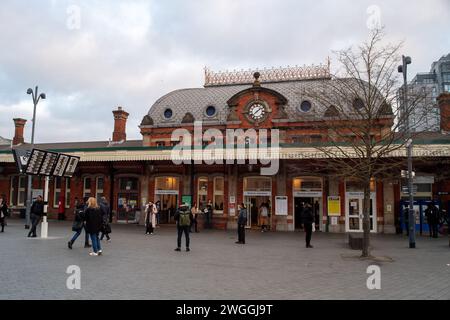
column 362, row 118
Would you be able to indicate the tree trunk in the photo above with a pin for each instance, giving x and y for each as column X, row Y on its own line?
column 366, row 219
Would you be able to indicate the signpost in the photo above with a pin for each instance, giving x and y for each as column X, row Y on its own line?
column 45, row 163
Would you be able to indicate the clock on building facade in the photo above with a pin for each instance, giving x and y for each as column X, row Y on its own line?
column 257, row 111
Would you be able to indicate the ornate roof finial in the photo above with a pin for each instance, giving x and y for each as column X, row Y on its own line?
column 257, row 83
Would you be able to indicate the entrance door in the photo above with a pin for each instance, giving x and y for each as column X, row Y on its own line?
column 253, row 204
column 354, row 213
column 299, row 203
column 127, row 206
column 169, row 206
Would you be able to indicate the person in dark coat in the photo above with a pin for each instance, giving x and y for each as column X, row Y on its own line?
column 432, row 214
column 208, row 215
column 183, row 217
column 242, row 222
column 308, row 220
column 3, row 212
column 37, row 211
column 94, row 222
column 80, row 207
column 106, row 212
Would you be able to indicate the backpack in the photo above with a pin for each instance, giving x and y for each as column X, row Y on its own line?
column 185, row 220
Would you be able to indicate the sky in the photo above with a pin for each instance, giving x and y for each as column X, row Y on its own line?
column 91, row 56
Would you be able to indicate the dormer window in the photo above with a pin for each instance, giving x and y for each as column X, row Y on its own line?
column 168, row 113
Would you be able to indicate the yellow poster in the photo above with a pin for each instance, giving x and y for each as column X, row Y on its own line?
column 334, row 206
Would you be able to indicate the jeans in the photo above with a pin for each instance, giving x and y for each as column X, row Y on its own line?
column 157, row 218
column 34, row 223
column 96, row 247
column 241, row 233
column 77, row 234
column 149, row 228
column 180, row 233
column 308, row 229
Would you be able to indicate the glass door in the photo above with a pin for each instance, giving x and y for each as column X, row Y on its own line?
column 355, row 215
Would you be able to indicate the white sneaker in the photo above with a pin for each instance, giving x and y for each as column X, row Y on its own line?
column 93, row 254
column 100, row 252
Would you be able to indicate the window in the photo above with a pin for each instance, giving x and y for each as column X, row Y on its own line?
column 305, row 106
column 128, row 184
column 202, row 193
column 446, row 77
column 307, row 184
column 67, row 192
column 355, row 186
column 447, row 87
column 258, row 184
column 21, row 191
column 87, row 187
column 56, row 191
column 99, row 187
column 210, row 111
column 168, row 113
column 219, row 186
column 166, row 183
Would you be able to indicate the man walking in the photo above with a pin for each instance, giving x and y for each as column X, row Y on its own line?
column 37, row 211
column 183, row 217
column 242, row 222
column 308, row 220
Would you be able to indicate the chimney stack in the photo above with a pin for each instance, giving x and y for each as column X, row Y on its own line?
column 444, row 108
column 18, row 134
column 120, row 125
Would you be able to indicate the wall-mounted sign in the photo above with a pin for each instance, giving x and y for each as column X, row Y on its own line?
column 308, row 194
column 257, row 193
column 334, row 206
column 281, row 206
column 162, row 192
column 187, row 199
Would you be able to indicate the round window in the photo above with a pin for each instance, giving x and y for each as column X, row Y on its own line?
column 168, row 113
column 305, row 106
column 210, row 111
column 358, row 104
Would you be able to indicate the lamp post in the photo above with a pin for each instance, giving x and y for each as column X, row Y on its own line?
column 412, row 221
column 36, row 98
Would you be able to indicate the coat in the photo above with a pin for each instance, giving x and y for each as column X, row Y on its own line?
column 307, row 215
column 3, row 209
column 106, row 212
column 94, row 220
column 38, row 208
column 242, row 218
column 150, row 215
column 177, row 215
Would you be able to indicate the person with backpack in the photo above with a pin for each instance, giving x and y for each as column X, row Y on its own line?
column 106, row 211
column 3, row 212
column 79, row 225
column 183, row 217
column 242, row 222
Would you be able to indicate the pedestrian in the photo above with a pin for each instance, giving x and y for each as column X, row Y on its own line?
column 308, row 220
column 79, row 224
column 94, row 220
column 194, row 212
column 316, row 215
column 37, row 211
column 61, row 208
column 158, row 214
column 242, row 222
column 183, row 217
column 432, row 214
column 3, row 212
column 106, row 211
column 208, row 213
column 150, row 218
column 264, row 216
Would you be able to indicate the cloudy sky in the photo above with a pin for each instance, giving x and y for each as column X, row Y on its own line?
column 91, row 56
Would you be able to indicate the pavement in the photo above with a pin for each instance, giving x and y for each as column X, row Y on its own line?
column 271, row 266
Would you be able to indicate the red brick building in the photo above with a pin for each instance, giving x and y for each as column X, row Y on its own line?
column 130, row 173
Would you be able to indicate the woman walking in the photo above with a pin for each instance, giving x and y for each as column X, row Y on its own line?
column 242, row 222
column 150, row 218
column 94, row 222
column 264, row 216
column 194, row 212
column 3, row 212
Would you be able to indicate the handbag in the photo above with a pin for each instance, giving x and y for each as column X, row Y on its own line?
column 77, row 225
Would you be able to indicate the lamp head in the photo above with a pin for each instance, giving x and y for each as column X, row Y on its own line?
column 29, row 91
column 43, row 96
column 407, row 60
column 400, row 69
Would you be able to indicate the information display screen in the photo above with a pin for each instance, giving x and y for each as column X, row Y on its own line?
column 35, row 161
column 48, row 164
column 71, row 167
column 61, row 165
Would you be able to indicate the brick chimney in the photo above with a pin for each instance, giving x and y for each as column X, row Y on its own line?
column 120, row 125
column 18, row 134
column 444, row 107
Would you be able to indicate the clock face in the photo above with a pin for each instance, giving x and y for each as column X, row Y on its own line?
column 257, row 111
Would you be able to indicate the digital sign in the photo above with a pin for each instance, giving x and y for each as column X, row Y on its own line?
column 48, row 164
column 35, row 161
column 71, row 167
column 61, row 165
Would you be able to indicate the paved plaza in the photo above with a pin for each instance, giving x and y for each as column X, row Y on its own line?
column 270, row 266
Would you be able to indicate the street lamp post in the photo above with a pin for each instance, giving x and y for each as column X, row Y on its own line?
column 36, row 98
column 412, row 221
